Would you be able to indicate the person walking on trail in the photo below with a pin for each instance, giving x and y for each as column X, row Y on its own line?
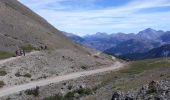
column 17, row 53
column 41, row 47
column 45, row 48
column 23, row 52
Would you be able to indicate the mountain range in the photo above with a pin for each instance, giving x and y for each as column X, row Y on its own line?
column 163, row 51
column 122, row 44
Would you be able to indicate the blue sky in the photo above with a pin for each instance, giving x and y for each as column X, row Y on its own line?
column 90, row 16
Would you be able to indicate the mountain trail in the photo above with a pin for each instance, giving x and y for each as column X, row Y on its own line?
column 18, row 88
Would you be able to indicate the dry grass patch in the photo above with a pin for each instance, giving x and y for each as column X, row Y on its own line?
column 1, row 84
column 2, row 72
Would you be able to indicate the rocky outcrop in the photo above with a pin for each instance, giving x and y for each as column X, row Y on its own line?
column 155, row 90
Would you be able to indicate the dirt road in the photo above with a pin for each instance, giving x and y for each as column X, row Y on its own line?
column 16, row 89
column 14, row 58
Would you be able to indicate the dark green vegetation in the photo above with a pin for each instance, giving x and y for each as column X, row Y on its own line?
column 2, row 84
column 4, row 55
column 71, row 95
column 34, row 92
column 25, row 75
column 2, row 72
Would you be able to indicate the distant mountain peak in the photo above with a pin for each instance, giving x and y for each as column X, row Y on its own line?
column 150, row 33
column 101, row 33
column 147, row 30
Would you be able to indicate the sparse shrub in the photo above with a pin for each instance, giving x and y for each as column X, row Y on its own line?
column 56, row 97
column 152, row 88
column 18, row 74
column 83, row 91
column 70, row 95
column 4, row 55
column 34, row 92
column 84, row 67
column 2, row 84
column 116, row 77
column 162, row 75
column 2, row 72
column 6, row 35
column 96, row 56
column 64, row 83
column 27, row 75
column 70, row 87
column 15, row 38
column 98, row 63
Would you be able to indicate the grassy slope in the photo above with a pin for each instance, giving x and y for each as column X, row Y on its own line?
column 133, row 76
column 136, row 74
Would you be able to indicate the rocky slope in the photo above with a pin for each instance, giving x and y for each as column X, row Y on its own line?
column 155, row 90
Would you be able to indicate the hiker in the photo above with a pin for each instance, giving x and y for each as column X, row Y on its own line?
column 23, row 52
column 45, row 48
column 41, row 47
column 17, row 53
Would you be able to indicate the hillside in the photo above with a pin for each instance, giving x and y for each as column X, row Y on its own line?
column 75, row 38
column 19, row 26
column 139, row 80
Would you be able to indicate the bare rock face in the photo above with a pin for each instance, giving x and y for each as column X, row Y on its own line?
column 153, row 91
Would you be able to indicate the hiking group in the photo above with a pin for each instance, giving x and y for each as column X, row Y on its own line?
column 20, row 52
column 43, row 47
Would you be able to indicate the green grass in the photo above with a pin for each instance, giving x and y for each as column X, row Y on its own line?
column 137, row 73
column 2, row 84
column 144, row 65
column 28, row 48
column 2, row 72
column 4, row 55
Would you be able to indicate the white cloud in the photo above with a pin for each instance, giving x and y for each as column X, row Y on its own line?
column 123, row 18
